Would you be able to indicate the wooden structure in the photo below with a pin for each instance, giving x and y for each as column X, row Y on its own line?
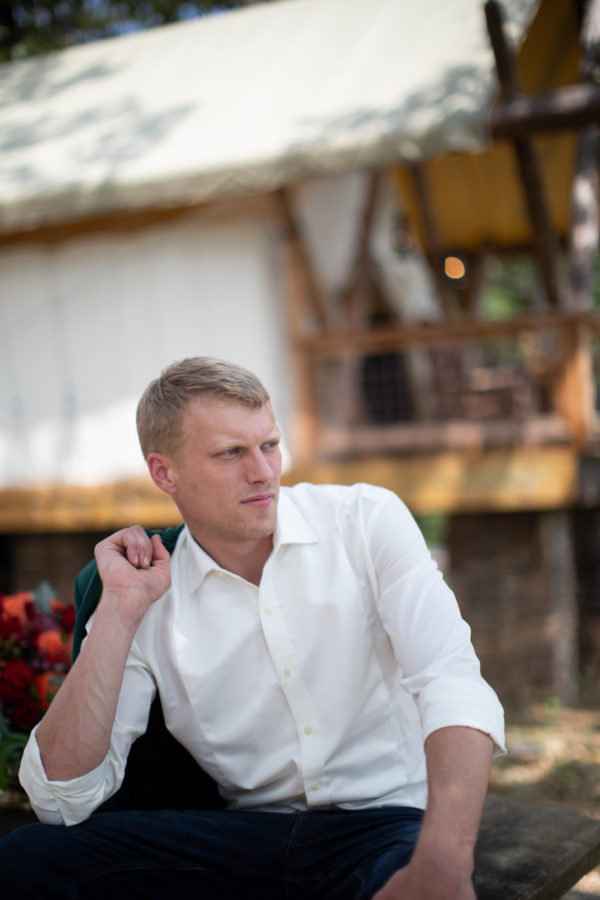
column 513, row 406
column 488, row 415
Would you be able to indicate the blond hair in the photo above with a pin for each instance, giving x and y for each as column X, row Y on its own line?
column 162, row 406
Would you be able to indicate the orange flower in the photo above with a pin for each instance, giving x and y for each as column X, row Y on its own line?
column 46, row 686
column 16, row 605
column 51, row 646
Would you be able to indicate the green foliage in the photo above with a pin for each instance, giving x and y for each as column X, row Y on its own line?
column 12, row 745
column 511, row 285
column 31, row 27
column 433, row 527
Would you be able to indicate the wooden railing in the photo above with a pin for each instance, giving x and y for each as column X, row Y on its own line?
column 525, row 381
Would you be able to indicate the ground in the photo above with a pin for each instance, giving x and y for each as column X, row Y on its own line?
column 554, row 757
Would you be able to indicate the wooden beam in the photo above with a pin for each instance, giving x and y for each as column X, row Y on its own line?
column 307, row 280
column 388, row 339
column 357, row 303
column 450, row 482
column 356, row 295
column 434, row 249
column 125, row 222
column 545, row 240
column 475, row 282
column 458, row 434
column 305, row 306
column 512, row 479
column 570, row 107
column 83, row 508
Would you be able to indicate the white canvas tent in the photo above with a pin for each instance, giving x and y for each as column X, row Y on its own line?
column 101, row 285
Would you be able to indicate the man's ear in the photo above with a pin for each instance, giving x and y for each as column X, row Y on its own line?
column 161, row 472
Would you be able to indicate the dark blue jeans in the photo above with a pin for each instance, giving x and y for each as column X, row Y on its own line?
column 336, row 854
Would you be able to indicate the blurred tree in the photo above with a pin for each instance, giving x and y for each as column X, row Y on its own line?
column 29, row 27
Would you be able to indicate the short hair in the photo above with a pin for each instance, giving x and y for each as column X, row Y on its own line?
column 163, row 404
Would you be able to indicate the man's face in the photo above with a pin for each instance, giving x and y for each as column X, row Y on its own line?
column 226, row 475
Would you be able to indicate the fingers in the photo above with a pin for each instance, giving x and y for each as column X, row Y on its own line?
column 137, row 547
column 132, row 543
column 159, row 550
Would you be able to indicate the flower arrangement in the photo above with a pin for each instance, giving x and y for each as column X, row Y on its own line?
column 36, row 635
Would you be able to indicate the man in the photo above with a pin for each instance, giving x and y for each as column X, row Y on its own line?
column 308, row 655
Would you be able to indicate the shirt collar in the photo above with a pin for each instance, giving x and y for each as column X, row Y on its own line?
column 291, row 528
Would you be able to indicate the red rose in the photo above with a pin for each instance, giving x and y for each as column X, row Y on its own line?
column 10, row 627
column 16, row 678
column 27, row 714
column 64, row 613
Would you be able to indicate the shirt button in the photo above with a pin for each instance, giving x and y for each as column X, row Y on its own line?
column 268, row 611
column 307, row 729
column 287, row 672
column 314, row 786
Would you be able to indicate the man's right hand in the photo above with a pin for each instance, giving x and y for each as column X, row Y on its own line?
column 135, row 570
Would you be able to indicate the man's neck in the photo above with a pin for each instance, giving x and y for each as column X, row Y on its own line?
column 244, row 558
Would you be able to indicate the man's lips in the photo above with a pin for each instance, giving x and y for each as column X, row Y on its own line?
column 259, row 500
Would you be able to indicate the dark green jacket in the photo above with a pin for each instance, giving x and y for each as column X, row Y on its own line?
column 160, row 773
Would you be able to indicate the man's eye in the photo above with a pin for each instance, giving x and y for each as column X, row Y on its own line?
column 230, row 453
column 271, row 445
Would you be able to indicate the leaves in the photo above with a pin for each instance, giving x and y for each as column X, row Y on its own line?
column 31, row 27
column 12, row 745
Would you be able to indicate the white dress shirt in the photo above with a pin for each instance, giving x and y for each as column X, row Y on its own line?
column 317, row 687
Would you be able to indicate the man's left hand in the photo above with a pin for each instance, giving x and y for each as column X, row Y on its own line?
column 428, row 882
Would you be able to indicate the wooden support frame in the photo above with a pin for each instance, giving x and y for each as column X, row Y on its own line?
column 571, row 107
column 575, row 423
column 434, row 243
column 382, row 340
column 573, row 395
column 546, row 242
column 304, row 304
column 357, row 300
column 312, row 300
column 356, row 297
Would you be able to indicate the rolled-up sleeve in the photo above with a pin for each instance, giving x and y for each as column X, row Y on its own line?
column 60, row 802
column 72, row 801
column 431, row 641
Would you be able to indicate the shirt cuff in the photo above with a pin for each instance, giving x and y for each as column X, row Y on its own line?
column 59, row 802
column 460, row 701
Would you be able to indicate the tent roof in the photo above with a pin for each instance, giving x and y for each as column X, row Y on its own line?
column 243, row 102
column 478, row 199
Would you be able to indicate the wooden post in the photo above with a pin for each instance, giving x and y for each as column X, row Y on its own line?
column 357, row 304
column 304, row 305
column 574, row 391
column 556, row 541
column 545, row 240
column 475, row 282
column 356, row 296
column 436, row 253
column 314, row 302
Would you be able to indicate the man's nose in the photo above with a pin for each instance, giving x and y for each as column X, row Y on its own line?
column 258, row 468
